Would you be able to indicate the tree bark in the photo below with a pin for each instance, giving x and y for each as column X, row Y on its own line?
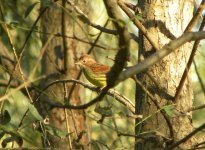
column 59, row 63
column 166, row 20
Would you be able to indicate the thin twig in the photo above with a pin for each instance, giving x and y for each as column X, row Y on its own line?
column 144, row 135
column 199, row 144
column 191, row 58
column 20, row 87
column 70, row 37
column 122, row 99
column 21, row 53
column 18, row 63
column 65, row 41
column 21, row 122
column 196, row 17
column 155, row 101
column 199, row 78
column 186, row 137
column 86, row 20
column 66, row 115
column 138, row 24
column 196, row 108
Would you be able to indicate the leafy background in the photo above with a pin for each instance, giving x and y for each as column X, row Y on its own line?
column 20, row 15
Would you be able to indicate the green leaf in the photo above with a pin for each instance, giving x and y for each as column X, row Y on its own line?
column 57, row 132
column 29, row 9
column 2, row 134
column 11, row 129
column 95, row 145
column 6, row 118
column 105, row 111
column 46, row 3
column 169, row 109
column 121, row 114
column 139, row 17
column 7, row 128
column 34, row 112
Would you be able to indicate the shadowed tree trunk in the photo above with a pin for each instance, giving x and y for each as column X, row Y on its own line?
column 59, row 63
column 165, row 20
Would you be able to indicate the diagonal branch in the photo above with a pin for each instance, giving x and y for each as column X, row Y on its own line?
column 155, row 101
column 83, row 17
column 191, row 58
column 196, row 17
column 123, row 41
column 117, row 96
column 138, row 24
column 186, row 137
column 159, row 55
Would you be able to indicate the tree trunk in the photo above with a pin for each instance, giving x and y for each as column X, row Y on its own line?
column 59, row 63
column 166, row 20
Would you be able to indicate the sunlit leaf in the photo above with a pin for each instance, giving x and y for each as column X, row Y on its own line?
column 57, row 132
column 34, row 112
column 169, row 109
column 139, row 17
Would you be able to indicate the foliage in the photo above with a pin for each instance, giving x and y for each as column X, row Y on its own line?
column 21, row 125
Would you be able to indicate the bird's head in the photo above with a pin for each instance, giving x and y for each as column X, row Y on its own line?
column 85, row 61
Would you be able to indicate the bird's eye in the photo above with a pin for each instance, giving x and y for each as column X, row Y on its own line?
column 84, row 61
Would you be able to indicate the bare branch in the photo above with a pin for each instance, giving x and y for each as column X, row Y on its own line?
column 155, row 101
column 86, row 20
column 157, row 56
column 195, row 17
column 124, row 39
column 186, row 137
column 120, row 98
column 191, row 58
column 199, row 77
column 138, row 24
column 196, row 108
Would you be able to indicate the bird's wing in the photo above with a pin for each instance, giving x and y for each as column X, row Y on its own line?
column 99, row 68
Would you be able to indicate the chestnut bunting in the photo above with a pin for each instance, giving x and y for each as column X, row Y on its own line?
column 94, row 72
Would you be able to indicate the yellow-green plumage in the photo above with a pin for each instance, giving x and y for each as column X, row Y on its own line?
column 96, row 79
column 95, row 73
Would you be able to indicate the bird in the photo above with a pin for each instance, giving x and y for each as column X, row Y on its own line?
column 94, row 72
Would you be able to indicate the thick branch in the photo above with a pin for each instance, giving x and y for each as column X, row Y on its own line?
column 124, row 38
column 159, row 55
